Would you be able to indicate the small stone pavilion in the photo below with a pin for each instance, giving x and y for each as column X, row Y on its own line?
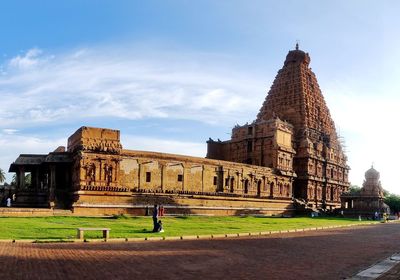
column 370, row 198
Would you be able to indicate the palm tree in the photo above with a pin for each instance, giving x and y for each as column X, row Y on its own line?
column 2, row 176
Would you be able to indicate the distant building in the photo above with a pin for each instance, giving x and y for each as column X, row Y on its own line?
column 369, row 200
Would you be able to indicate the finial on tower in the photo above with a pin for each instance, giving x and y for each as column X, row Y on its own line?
column 297, row 45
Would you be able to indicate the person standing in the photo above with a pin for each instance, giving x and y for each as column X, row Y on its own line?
column 155, row 217
column 8, row 202
column 160, row 210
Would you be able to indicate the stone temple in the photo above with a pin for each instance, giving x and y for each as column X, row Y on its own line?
column 289, row 157
column 306, row 145
column 369, row 200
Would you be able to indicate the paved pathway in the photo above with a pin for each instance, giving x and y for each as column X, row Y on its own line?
column 328, row 254
column 393, row 274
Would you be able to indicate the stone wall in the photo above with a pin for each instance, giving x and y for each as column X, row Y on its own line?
column 126, row 181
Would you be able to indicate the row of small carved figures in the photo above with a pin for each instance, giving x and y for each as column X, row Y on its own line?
column 182, row 192
column 104, row 188
column 136, row 190
column 198, row 193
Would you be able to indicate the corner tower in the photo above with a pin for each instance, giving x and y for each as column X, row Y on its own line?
column 315, row 153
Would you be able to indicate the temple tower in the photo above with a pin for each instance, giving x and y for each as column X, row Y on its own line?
column 315, row 153
column 320, row 162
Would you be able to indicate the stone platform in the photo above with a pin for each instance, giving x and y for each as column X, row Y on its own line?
column 32, row 212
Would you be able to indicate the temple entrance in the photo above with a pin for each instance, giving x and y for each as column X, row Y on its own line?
column 246, row 186
column 259, row 188
column 271, row 189
column 232, row 183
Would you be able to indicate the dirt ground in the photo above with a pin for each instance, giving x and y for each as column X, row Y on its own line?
column 328, row 254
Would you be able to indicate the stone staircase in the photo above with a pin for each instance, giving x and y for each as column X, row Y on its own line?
column 303, row 207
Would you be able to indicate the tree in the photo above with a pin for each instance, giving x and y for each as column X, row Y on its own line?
column 27, row 179
column 393, row 201
column 2, row 176
column 354, row 190
column 14, row 180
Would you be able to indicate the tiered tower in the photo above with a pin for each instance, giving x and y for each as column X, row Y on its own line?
column 320, row 162
column 318, row 158
column 372, row 186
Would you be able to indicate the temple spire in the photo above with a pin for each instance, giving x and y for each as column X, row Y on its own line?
column 297, row 45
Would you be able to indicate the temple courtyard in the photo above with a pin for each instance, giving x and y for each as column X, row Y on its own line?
column 324, row 254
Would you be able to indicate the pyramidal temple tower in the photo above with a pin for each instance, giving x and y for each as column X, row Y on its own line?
column 294, row 134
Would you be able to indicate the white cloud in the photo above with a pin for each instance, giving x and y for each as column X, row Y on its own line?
column 29, row 59
column 98, row 83
column 11, row 145
column 368, row 124
column 131, row 142
column 10, row 131
column 39, row 89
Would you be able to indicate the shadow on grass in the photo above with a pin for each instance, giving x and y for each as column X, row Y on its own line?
column 182, row 217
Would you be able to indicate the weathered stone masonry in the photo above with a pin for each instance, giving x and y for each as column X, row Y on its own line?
column 106, row 179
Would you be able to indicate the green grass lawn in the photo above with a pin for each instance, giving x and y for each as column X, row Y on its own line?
column 65, row 227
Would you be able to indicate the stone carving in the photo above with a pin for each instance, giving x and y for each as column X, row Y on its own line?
column 293, row 132
column 108, row 173
column 90, row 172
column 96, row 140
column 96, row 145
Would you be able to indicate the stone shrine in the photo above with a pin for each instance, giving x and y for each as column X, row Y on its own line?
column 369, row 200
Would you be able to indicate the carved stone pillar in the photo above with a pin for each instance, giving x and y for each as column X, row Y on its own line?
column 139, row 169
column 52, row 186
column 102, row 174
column 116, row 177
column 202, row 178
column 35, row 179
column 184, row 177
column 21, row 177
column 163, row 176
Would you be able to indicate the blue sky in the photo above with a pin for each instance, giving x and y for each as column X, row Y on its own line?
column 170, row 74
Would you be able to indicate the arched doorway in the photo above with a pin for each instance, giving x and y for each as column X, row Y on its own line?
column 246, row 186
column 271, row 189
column 232, row 183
